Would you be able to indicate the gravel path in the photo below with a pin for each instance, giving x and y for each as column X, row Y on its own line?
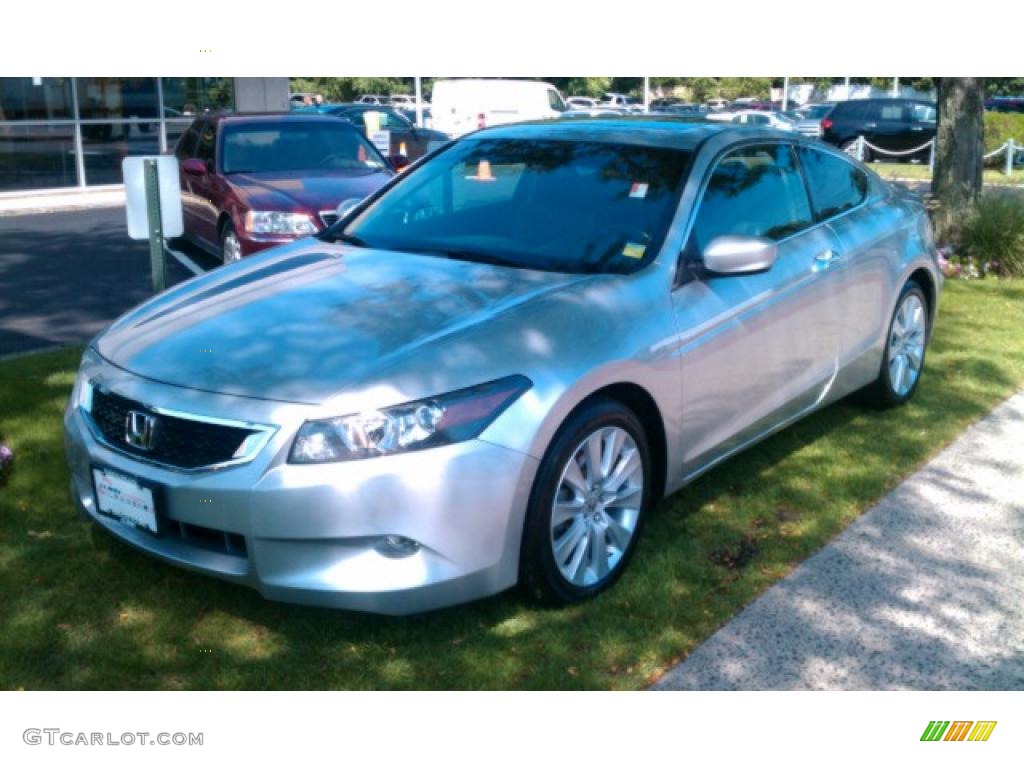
column 922, row 592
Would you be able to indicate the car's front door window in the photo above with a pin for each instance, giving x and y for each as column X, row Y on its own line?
column 755, row 191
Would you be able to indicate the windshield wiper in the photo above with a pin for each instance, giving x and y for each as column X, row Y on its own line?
column 350, row 239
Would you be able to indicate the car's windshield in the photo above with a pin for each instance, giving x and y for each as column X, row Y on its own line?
column 564, row 206
column 298, row 146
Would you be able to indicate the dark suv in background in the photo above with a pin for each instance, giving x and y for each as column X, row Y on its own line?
column 894, row 125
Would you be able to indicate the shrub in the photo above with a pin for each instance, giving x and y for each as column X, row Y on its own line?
column 993, row 235
column 1000, row 126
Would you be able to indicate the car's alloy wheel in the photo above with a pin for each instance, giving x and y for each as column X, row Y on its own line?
column 597, row 506
column 906, row 344
column 905, row 350
column 589, row 500
column 230, row 247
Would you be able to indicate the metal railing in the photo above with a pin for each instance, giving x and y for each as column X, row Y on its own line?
column 1010, row 147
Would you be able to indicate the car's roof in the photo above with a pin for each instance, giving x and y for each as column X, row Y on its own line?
column 651, row 130
column 270, row 117
column 886, row 99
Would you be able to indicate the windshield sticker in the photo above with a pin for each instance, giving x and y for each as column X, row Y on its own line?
column 638, row 190
column 634, row 250
column 483, row 172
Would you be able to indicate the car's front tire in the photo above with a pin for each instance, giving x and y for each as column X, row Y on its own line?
column 594, row 488
column 906, row 343
column 230, row 245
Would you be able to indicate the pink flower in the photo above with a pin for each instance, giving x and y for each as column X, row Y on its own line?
column 6, row 464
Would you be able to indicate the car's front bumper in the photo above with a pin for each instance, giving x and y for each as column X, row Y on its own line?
column 313, row 533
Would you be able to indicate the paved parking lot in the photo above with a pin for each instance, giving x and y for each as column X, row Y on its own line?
column 65, row 276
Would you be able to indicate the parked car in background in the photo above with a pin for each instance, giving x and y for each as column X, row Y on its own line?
column 764, row 119
column 747, row 103
column 716, row 105
column 404, row 101
column 404, row 137
column 664, row 101
column 464, row 105
column 493, row 370
column 621, row 101
column 1005, row 104
column 684, row 109
column 373, row 98
column 299, row 100
column 807, row 119
column 250, row 182
column 893, row 125
column 580, row 102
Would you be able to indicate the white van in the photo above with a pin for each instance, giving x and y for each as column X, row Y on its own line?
column 461, row 106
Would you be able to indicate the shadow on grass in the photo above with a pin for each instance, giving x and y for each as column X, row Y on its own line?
column 86, row 611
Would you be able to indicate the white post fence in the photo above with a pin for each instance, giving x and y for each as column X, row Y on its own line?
column 1010, row 147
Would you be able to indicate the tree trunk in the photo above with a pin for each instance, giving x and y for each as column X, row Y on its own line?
column 960, row 146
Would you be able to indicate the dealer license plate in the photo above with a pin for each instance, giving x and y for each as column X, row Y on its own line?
column 124, row 498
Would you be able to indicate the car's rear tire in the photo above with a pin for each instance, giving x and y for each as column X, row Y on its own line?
column 906, row 344
column 230, row 245
column 593, row 491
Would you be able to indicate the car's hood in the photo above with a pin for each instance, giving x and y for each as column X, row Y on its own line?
column 315, row 191
column 305, row 322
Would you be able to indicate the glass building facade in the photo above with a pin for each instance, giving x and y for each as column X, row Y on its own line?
column 59, row 132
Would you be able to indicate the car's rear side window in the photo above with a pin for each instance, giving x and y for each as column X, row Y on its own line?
column 755, row 191
column 881, row 110
column 835, row 184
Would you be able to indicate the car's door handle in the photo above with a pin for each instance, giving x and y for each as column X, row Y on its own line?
column 826, row 258
column 870, row 125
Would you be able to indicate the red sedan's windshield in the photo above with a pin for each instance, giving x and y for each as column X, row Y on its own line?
column 299, row 146
column 564, row 206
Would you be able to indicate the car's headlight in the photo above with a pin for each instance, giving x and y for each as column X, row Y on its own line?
column 450, row 418
column 277, row 223
column 81, row 393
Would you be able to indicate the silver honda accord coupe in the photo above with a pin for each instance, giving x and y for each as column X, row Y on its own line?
column 491, row 370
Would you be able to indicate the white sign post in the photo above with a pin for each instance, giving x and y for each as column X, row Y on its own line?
column 153, row 206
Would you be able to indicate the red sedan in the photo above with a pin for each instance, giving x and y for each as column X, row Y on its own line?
column 250, row 182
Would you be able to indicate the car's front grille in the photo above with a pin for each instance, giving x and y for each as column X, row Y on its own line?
column 328, row 217
column 176, row 441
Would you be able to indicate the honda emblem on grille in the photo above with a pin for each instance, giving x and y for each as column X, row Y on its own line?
column 138, row 430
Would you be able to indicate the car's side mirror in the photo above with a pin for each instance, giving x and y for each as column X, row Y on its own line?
column 345, row 207
column 194, row 167
column 398, row 162
column 739, row 254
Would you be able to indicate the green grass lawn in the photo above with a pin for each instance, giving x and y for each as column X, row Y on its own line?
column 81, row 610
column 991, row 176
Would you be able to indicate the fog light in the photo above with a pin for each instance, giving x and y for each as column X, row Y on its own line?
column 397, row 546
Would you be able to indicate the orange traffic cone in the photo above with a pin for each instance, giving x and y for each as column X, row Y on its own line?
column 483, row 172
